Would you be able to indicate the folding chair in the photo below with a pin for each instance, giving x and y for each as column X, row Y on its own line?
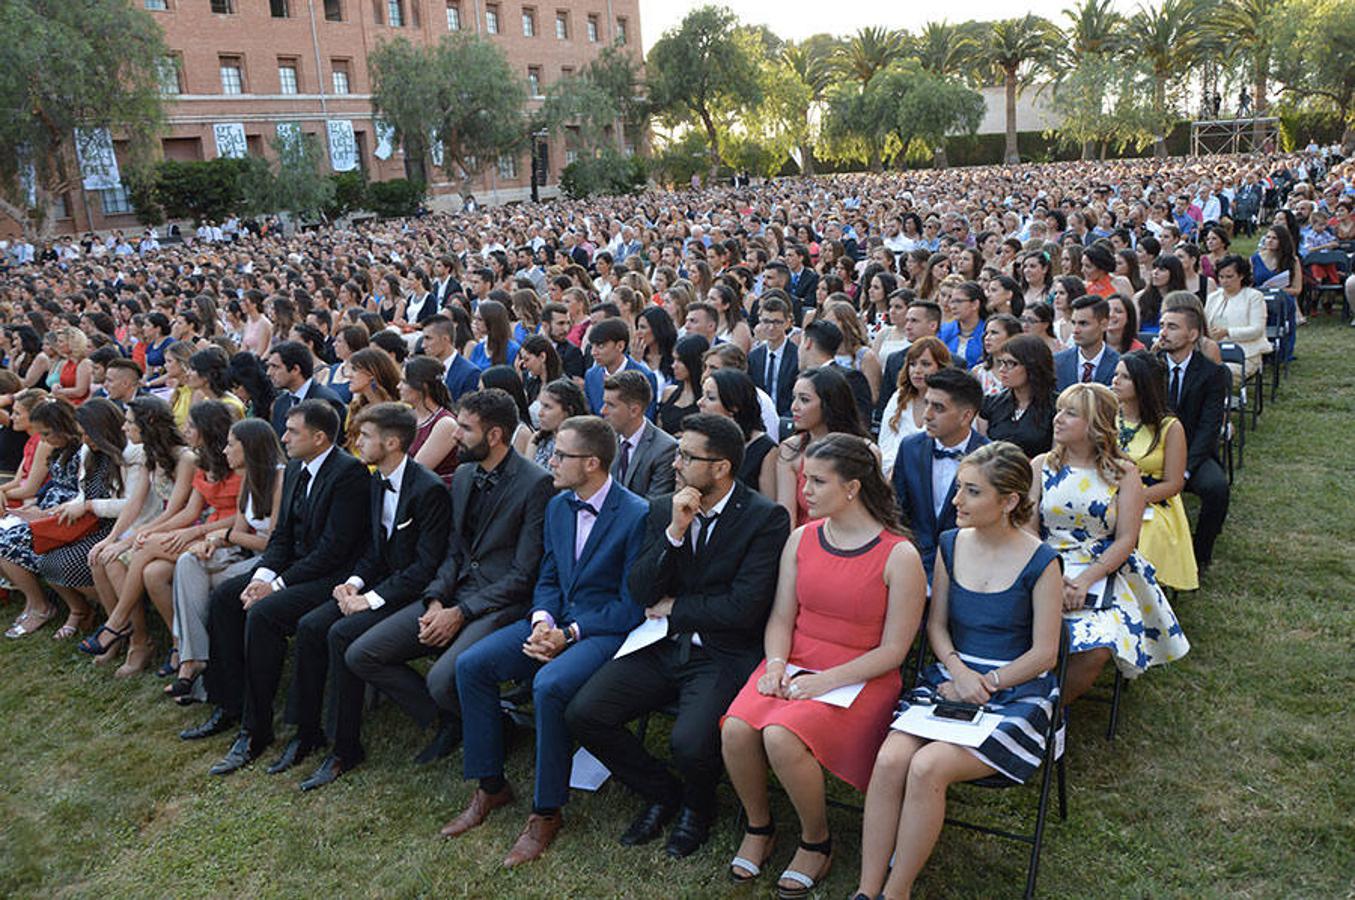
column 1238, row 400
column 1277, row 332
column 1338, row 258
column 1226, row 437
column 1051, row 765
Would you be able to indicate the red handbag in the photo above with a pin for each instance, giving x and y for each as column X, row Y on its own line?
column 51, row 533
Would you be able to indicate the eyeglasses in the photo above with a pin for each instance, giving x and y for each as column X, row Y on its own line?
column 1005, row 364
column 559, row 455
column 688, row 458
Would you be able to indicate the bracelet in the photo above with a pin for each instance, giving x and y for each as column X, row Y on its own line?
column 997, row 679
column 776, row 659
column 953, row 652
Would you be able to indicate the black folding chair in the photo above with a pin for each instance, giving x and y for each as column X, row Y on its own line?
column 1277, row 332
column 1238, row 401
column 1341, row 259
column 1226, row 435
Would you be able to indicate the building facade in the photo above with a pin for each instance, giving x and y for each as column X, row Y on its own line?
column 241, row 69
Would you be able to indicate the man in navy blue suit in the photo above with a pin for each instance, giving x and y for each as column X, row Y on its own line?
column 1092, row 359
column 581, row 612
column 290, row 366
column 774, row 364
column 609, row 340
column 924, row 471
column 439, row 342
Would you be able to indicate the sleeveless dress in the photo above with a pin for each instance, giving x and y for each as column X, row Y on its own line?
column 671, row 415
column 447, row 465
column 68, row 565
column 750, row 473
column 1077, row 518
column 62, row 484
column 989, row 630
column 841, row 601
column 68, row 378
column 1164, row 539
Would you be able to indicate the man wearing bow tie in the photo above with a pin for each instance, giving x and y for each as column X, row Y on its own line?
column 924, row 470
column 581, row 611
column 410, row 517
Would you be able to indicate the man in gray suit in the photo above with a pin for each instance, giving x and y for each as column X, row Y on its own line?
column 644, row 452
column 486, row 580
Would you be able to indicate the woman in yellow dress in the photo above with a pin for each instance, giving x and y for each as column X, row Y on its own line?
column 1156, row 442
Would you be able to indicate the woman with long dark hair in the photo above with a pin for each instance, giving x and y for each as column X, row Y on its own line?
column 507, row 379
column 208, row 376
column 347, row 340
column 822, row 404
column 1166, row 275
column 436, row 437
column 1022, row 413
column 1122, row 328
column 494, row 336
column 250, row 382
column 252, row 452
column 902, row 416
column 560, row 399
column 679, row 399
column 655, row 338
column 374, row 378
column 731, row 393
column 997, row 330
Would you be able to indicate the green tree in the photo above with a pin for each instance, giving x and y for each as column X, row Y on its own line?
column 946, row 50
column 1016, row 50
column 1317, row 68
column 1088, row 71
column 930, row 107
column 461, row 93
column 810, row 67
column 676, row 161
column 1246, row 29
column 298, row 183
column 1168, row 38
column 870, row 51
column 599, row 101
column 702, row 70
column 65, row 64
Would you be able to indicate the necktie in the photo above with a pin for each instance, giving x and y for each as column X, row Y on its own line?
column 1176, row 387
column 386, row 484
column 623, row 465
column 299, row 498
column 771, row 374
column 941, row 453
column 1086, row 372
column 581, row 506
column 707, row 525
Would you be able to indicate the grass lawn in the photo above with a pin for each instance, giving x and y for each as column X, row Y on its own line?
column 1231, row 775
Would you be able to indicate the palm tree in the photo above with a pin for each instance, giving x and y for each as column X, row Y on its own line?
column 1017, row 49
column 868, row 51
column 945, row 49
column 810, row 60
column 1094, row 27
column 1169, row 39
column 1247, row 29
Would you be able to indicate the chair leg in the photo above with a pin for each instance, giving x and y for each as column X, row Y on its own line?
column 1063, row 787
column 1116, row 691
column 1038, row 840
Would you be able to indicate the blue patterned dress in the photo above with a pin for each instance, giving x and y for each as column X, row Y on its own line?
column 989, row 630
column 62, row 485
column 1134, row 620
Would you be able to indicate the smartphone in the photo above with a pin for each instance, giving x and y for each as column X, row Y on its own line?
column 961, row 712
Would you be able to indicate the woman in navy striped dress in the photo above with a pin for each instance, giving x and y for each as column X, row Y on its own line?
column 994, row 627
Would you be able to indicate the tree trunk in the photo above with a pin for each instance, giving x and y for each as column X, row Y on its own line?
column 806, row 159
column 1013, row 154
column 1088, row 149
column 714, row 140
column 939, row 157
column 1159, row 109
column 1258, row 131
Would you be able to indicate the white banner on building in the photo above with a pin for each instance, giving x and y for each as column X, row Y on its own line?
column 230, row 140
column 343, row 147
column 435, row 148
column 289, row 132
column 385, row 140
column 98, row 162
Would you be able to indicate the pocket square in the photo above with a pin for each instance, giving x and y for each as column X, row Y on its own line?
column 405, row 524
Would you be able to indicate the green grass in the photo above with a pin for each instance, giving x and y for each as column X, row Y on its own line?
column 1231, row 775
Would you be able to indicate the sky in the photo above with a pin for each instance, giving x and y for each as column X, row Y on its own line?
column 798, row 19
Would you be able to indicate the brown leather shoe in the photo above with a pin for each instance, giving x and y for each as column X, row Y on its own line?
column 481, row 805
column 536, row 836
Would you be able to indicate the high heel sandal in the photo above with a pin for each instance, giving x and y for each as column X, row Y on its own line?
column 803, row 883
column 91, row 646
column 171, row 665
column 137, row 660
column 754, row 869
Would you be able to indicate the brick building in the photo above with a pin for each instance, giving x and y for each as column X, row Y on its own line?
column 239, row 68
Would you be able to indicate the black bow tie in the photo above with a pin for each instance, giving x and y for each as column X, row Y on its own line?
column 386, row 484
column 939, row 453
column 485, row 480
column 581, row 506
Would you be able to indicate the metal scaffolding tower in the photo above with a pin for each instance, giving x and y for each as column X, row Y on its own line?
column 1218, row 136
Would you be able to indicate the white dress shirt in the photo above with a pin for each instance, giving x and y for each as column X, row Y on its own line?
column 943, row 474
column 697, row 528
column 263, row 573
column 390, row 501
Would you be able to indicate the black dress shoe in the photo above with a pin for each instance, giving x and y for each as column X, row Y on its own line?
column 689, row 832
column 329, row 771
column 649, row 824
column 217, row 722
column 442, row 744
column 243, row 752
column 296, row 750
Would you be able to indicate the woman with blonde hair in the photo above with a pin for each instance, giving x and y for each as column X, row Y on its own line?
column 1090, row 501
column 855, row 352
column 181, row 396
column 76, row 371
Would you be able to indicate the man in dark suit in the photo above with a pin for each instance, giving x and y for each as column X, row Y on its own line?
column 709, row 566
column 444, row 282
column 924, row 470
column 324, row 492
column 410, row 518
column 610, row 340
column 1197, row 393
column 818, row 347
column 439, row 342
column 644, row 454
column 804, row 281
column 1092, row 359
column 555, row 316
column 290, row 366
column 774, row 364
column 581, row 612
column 488, row 568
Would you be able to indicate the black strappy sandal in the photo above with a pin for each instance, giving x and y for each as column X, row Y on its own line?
column 754, row 869
column 804, row 884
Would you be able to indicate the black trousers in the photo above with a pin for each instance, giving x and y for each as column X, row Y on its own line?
column 249, row 647
column 1210, row 483
column 322, row 638
column 643, row 681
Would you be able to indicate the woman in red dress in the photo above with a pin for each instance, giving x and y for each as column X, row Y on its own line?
column 848, row 602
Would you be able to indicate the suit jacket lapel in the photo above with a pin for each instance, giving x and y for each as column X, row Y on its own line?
column 460, row 499
column 642, row 448
column 508, row 470
column 727, row 522
column 926, row 469
column 600, row 527
column 378, row 501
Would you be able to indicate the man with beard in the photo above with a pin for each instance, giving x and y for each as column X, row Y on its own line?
column 715, row 596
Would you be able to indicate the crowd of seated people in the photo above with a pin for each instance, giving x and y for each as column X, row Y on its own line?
column 752, row 443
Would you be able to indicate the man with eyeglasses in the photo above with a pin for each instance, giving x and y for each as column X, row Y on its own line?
column 708, row 571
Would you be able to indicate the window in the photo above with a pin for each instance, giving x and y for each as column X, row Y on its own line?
column 280, row 9
column 115, row 201
column 60, row 209
column 621, row 31
column 453, row 17
column 223, row 7
column 395, row 13
column 528, row 22
column 534, row 81
column 340, row 77
column 508, row 166
column 160, row 5
column 287, row 76
column 566, row 71
column 232, row 75
column 571, row 155
column 167, row 68
column 592, row 29
column 562, row 26
column 333, row 11
column 492, row 19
